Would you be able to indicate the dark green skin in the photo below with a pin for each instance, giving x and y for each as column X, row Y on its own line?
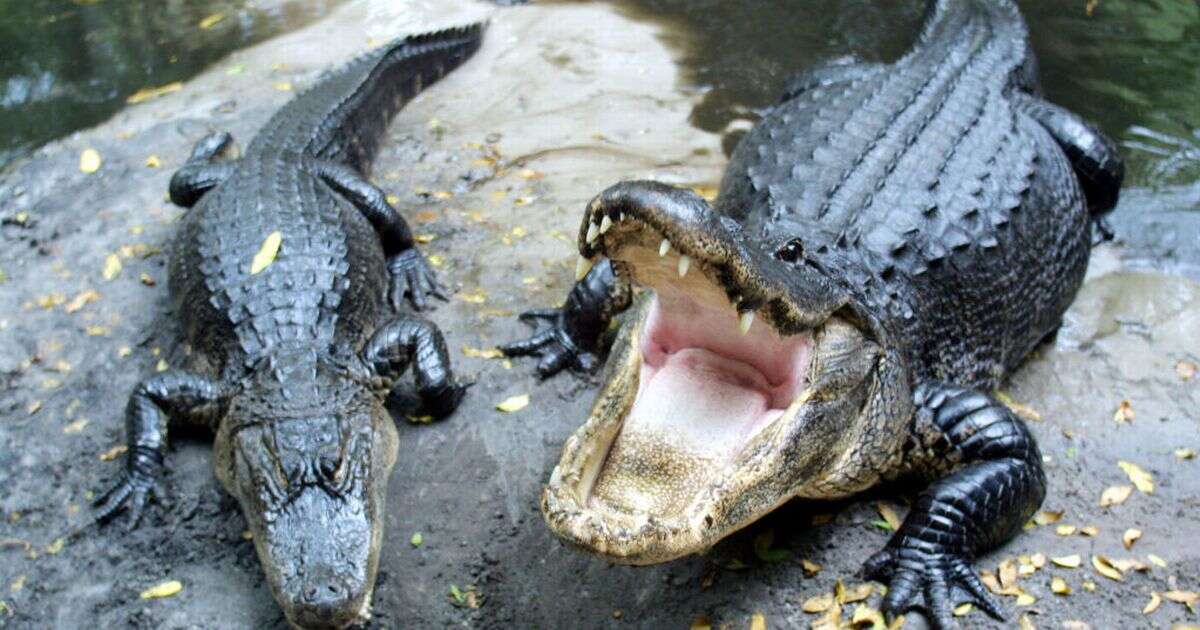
column 941, row 205
column 290, row 365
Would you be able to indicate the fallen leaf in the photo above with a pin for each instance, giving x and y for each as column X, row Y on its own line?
column 75, row 427
column 1089, row 586
column 416, row 539
column 1090, row 530
column 963, row 610
column 165, row 589
column 33, row 407
column 1025, row 599
column 1131, row 535
column 1070, row 562
column 1008, row 574
column 1185, row 453
column 758, row 622
column 89, row 161
column 857, row 593
column 1022, row 410
column 478, row 297
column 1075, row 624
column 1038, row 560
column 267, row 252
column 1141, row 479
column 1124, row 412
column 1026, row 623
column 1046, row 517
column 1187, row 598
column 146, row 94
column 1115, row 495
column 83, row 299
column 113, row 453
column 817, row 603
column 211, row 20
column 889, row 514
column 867, row 617
column 1104, row 567
column 810, row 568
column 1152, row 605
column 112, row 266
column 1059, row 586
column 700, row 623
column 57, row 546
column 1186, row 370
column 514, row 403
column 1065, row 530
column 146, row 279
column 1129, row 564
column 284, row 86
column 1156, row 561
column 486, row 353
column 153, row 161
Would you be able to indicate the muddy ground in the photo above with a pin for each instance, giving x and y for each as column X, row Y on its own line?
column 494, row 165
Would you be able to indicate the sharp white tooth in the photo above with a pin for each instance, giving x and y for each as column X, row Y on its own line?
column 664, row 247
column 685, row 263
column 592, row 232
column 605, row 223
column 582, row 267
column 745, row 320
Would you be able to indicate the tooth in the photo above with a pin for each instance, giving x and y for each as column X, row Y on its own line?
column 684, row 264
column 605, row 223
column 664, row 247
column 592, row 232
column 582, row 267
column 744, row 322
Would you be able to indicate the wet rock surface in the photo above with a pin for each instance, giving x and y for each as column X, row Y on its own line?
column 493, row 167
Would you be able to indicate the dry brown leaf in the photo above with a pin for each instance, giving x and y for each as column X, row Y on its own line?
column 1152, row 605
column 1124, row 412
column 1070, row 562
column 1059, row 586
column 1130, row 536
column 514, row 403
column 1105, row 567
column 1115, row 495
column 1141, row 479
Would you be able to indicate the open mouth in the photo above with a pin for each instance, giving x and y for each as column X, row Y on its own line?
column 707, row 386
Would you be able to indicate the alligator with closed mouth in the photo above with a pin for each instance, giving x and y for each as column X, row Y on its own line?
column 282, row 274
column 888, row 243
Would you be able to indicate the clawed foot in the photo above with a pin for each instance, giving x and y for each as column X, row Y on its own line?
column 140, row 482
column 553, row 345
column 412, row 278
column 933, row 580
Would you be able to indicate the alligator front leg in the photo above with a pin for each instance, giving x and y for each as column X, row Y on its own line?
column 997, row 486
column 575, row 330
column 202, row 171
column 411, row 274
column 171, row 395
column 406, row 340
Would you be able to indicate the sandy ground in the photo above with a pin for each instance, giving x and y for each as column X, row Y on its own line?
column 494, row 164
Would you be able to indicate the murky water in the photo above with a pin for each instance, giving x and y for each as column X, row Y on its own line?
column 69, row 64
column 1130, row 66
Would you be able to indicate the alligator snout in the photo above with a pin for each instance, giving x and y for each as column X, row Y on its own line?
column 325, row 599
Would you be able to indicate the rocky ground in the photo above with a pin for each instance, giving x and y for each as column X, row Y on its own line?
column 493, row 167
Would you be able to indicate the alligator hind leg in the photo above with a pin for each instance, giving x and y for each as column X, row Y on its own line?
column 406, row 340
column 1093, row 155
column 411, row 274
column 997, row 485
column 203, row 170
column 171, row 395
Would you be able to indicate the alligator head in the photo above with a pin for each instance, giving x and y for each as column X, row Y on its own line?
column 307, row 452
column 742, row 378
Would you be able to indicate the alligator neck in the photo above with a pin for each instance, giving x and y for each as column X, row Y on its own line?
column 345, row 115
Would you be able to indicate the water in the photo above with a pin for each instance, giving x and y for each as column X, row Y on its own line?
column 1131, row 66
column 70, row 64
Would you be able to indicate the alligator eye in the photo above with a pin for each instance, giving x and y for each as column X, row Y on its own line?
column 791, row 251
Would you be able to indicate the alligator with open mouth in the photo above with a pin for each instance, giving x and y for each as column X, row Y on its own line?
column 889, row 242
column 282, row 274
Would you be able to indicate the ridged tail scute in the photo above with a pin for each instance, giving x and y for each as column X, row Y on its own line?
column 344, row 117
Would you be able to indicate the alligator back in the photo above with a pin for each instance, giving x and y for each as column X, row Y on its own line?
column 951, row 215
column 324, row 289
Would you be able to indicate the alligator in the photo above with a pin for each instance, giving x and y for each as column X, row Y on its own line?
column 887, row 244
column 283, row 272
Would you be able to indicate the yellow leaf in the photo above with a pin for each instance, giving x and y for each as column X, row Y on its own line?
column 817, row 603
column 1008, row 574
column 758, row 622
column 1141, row 479
column 1059, row 586
column 55, row 547
column 84, row 298
column 112, row 266
column 1027, row 623
column 864, row 615
column 857, row 593
column 1089, row 586
column 1038, row 560
column 1125, row 566
column 1064, row 530
column 267, row 252
column 146, row 94
column 113, row 453
column 1156, row 561
column 1046, row 517
column 1152, row 605
column 700, row 623
column 810, row 568
column 1090, row 530
column 479, row 297
column 165, row 589
column 211, row 20
column 485, row 353
column 889, row 514
column 75, row 427
column 1104, row 567
column 1131, row 535
column 1187, row 598
column 1185, row 453
column 1115, row 495
column 963, row 610
column 89, row 161
column 1071, row 562
column 153, row 162
column 514, row 403
column 1124, row 412
column 283, row 86
column 1025, row 599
